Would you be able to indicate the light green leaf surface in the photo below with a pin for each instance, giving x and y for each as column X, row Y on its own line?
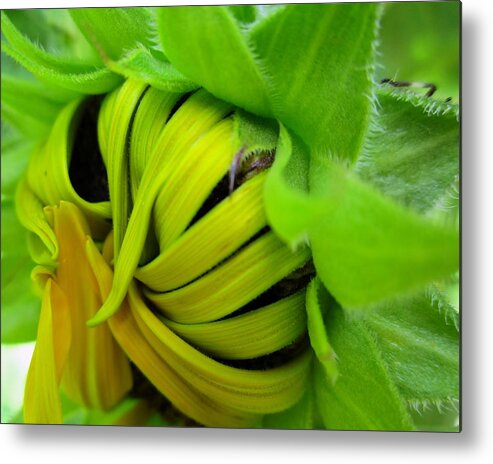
column 152, row 67
column 256, row 133
column 365, row 247
column 364, row 397
column 114, row 31
column 412, row 151
column 419, row 342
column 207, row 45
column 319, row 62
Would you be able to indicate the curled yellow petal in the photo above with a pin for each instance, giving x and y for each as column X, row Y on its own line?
column 251, row 335
column 210, row 240
column 192, row 120
column 236, row 282
column 96, row 371
column 177, row 389
column 48, row 171
column 43, row 244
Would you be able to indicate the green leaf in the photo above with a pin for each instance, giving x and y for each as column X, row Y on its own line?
column 412, row 152
column 420, row 344
column 364, row 397
column 244, row 13
column 207, row 45
column 256, row 133
column 54, row 31
column 319, row 62
column 317, row 332
column 365, row 247
column 114, row 31
column 437, row 418
column 67, row 73
column 151, row 67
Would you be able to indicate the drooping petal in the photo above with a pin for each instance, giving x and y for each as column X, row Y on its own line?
column 41, row 397
column 97, row 371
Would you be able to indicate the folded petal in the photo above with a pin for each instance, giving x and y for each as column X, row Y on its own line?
column 97, row 371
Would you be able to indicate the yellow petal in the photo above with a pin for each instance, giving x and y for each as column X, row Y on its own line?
column 192, row 120
column 43, row 244
column 41, row 397
column 210, row 240
column 48, row 171
column 226, row 288
column 180, row 392
column 97, row 373
column 251, row 335
column 252, row 391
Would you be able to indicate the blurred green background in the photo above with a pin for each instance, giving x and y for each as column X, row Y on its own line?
column 420, row 41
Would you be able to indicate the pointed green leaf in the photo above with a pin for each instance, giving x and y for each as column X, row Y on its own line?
column 364, row 397
column 315, row 310
column 319, row 62
column 412, row 151
column 207, row 45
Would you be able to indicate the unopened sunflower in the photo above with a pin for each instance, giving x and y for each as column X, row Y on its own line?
column 232, row 223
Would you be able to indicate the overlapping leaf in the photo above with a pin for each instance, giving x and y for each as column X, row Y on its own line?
column 208, row 46
column 365, row 247
column 412, row 152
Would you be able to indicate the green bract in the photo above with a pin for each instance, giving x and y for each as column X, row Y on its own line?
column 262, row 196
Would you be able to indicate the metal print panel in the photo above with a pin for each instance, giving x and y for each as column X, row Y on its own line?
column 232, row 216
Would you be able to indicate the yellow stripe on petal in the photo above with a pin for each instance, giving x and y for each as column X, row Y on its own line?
column 42, row 403
column 236, row 282
column 150, row 119
column 194, row 177
column 192, row 120
column 213, row 238
column 251, row 335
column 183, row 395
column 247, row 390
column 123, row 109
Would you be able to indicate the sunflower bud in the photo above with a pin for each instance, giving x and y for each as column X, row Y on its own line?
column 148, row 209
